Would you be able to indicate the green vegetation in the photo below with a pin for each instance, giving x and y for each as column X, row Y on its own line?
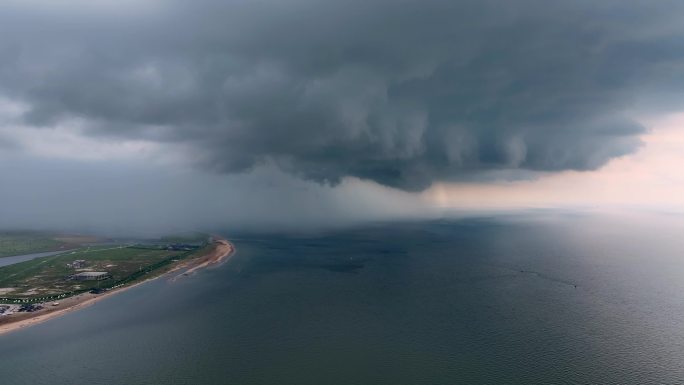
column 18, row 243
column 48, row 278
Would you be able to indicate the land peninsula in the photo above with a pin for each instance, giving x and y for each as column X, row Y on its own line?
column 43, row 288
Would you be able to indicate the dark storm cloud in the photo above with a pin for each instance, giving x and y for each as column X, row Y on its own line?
column 132, row 199
column 400, row 92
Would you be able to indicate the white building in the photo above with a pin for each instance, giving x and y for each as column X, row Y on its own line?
column 91, row 276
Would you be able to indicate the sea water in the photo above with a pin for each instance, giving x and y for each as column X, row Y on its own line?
column 533, row 299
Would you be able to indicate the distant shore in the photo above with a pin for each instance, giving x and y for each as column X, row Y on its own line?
column 220, row 252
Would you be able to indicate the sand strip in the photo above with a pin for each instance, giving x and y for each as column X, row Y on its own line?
column 221, row 252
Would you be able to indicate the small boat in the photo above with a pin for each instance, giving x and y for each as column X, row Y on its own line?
column 55, row 304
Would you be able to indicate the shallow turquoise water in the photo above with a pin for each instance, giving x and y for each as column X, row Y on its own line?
column 513, row 300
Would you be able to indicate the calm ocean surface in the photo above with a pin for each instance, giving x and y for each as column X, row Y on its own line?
column 535, row 299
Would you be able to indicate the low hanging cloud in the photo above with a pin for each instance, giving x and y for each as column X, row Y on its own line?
column 403, row 93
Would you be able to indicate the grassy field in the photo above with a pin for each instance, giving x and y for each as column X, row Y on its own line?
column 18, row 243
column 48, row 276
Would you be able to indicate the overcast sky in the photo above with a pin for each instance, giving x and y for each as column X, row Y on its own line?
column 143, row 115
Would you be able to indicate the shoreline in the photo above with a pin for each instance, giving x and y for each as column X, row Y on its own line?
column 221, row 252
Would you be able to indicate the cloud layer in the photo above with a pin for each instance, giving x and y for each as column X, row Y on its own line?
column 403, row 93
column 133, row 199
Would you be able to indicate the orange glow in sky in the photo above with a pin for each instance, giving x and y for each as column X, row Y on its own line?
column 651, row 177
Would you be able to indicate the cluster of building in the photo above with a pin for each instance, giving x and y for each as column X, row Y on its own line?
column 30, row 308
column 91, row 276
column 77, row 264
column 86, row 275
column 181, row 246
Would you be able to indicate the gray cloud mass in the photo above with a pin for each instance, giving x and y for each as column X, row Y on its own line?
column 403, row 93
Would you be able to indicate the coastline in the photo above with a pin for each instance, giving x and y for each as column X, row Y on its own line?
column 221, row 252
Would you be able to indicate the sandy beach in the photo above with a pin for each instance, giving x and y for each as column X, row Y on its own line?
column 221, row 251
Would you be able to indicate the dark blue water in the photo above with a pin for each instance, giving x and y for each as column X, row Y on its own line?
column 513, row 300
